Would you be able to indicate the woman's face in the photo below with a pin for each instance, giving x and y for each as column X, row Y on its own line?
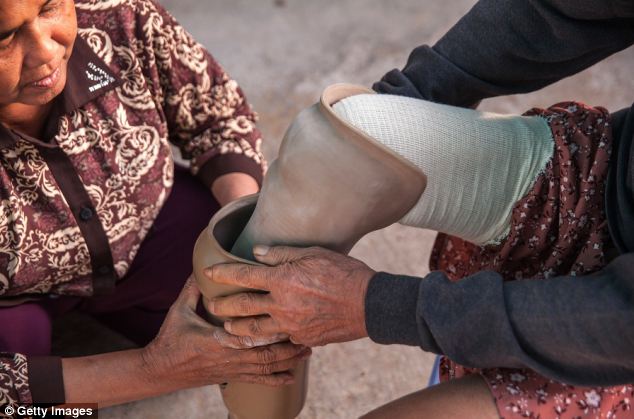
column 36, row 41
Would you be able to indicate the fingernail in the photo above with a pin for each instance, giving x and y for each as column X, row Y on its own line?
column 248, row 342
column 228, row 326
column 210, row 306
column 260, row 250
column 207, row 272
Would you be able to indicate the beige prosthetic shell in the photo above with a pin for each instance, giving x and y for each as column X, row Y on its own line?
column 330, row 185
column 244, row 401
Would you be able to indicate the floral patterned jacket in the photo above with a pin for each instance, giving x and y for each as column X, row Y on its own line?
column 76, row 204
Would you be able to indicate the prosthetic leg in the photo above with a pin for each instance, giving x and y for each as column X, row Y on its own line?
column 330, row 185
column 354, row 163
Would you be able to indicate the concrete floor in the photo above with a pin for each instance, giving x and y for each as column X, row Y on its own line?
column 283, row 53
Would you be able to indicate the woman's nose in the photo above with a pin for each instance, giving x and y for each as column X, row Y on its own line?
column 40, row 48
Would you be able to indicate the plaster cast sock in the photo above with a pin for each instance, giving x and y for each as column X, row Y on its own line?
column 478, row 164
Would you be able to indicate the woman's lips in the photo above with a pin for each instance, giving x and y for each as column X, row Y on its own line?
column 48, row 81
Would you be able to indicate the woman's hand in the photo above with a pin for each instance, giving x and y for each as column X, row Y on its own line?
column 191, row 352
column 187, row 352
column 315, row 296
column 232, row 186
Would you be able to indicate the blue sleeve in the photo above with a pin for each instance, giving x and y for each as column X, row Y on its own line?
column 504, row 47
column 579, row 330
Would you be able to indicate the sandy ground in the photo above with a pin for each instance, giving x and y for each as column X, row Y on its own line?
column 283, row 53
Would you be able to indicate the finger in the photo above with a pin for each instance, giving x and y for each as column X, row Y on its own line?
column 227, row 340
column 273, row 380
column 230, row 341
column 294, row 340
column 190, row 293
column 240, row 274
column 274, row 367
column 274, row 353
column 267, row 340
column 277, row 255
column 259, row 326
column 240, row 305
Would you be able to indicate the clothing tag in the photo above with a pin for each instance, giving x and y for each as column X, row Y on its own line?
column 98, row 76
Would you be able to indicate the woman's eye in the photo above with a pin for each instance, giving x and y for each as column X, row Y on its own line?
column 6, row 41
column 50, row 6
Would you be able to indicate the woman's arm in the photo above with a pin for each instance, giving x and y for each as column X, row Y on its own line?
column 232, row 186
column 111, row 378
column 187, row 352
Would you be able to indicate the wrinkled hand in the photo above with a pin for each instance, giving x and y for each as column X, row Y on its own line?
column 315, row 296
column 191, row 352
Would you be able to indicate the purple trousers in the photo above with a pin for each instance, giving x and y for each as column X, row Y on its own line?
column 142, row 298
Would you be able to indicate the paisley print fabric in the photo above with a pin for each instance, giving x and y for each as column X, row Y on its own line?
column 558, row 228
column 145, row 85
column 14, row 386
column 172, row 92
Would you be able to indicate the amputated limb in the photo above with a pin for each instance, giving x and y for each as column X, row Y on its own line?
column 478, row 164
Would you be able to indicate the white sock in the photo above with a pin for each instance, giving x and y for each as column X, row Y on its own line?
column 478, row 164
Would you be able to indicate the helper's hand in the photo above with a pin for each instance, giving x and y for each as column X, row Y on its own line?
column 232, row 186
column 188, row 351
column 315, row 296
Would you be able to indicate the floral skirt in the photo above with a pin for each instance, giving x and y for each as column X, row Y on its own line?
column 558, row 228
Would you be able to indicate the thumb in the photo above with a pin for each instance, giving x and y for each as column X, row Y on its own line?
column 277, row 255
column 190, row 294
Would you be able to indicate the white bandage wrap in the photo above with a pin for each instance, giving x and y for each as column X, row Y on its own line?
column 478, row 164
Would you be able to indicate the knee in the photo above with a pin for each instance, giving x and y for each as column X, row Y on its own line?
column 26, row 329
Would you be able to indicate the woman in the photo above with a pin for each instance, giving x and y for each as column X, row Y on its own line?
column 94, row 216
